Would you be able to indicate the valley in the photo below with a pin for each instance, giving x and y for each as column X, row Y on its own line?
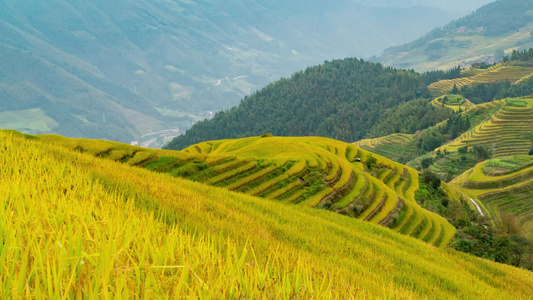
column 150, row 66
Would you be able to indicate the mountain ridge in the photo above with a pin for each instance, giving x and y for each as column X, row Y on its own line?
column 165, row 64
column 486, row 35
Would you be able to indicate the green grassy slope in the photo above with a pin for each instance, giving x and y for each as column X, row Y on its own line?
column 504, row 186
column 453, row 102
column 103, row 229
column 496, row 29
column 496, row 73
column 445, row 160
column 398, row 147
column 310, row 172
column 404, row 147
column 505, row 124
column 508, row 130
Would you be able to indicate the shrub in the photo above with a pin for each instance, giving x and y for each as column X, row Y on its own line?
column 426, row 162
column 480, row 152
column 431, row 179
column 370, row 162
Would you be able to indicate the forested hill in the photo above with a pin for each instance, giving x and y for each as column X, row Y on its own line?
column 341, row 99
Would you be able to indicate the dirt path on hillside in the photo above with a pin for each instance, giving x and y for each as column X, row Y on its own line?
column 478, row 208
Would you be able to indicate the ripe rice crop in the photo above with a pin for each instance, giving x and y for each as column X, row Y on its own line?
column 73, row 225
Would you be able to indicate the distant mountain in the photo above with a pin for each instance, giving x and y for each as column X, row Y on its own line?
column 456, row 8
column 341, row 99
column 121, row 69
column 486, row 35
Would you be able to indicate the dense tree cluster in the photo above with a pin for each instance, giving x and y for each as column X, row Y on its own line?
column 456, row 125
column 428, row 140
column 433, row 76
column 476, row 236
column 409, row 117
column 482, row 65
column 480, row 152
column 486, row 92
column 432, row 138
column 521, row 55
column 341, row 99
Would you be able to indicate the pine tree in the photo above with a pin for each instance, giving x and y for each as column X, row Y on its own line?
column 455, row 90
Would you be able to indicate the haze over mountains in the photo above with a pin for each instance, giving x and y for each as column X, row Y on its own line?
column 349, row 107
column 486, row 36
column 118, row 70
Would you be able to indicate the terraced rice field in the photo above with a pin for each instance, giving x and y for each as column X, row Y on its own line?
column 398, row 146
column 509, row 130
column 443, row 87
column 311, row 172
column 401, row 148
column 463, row 105
column 495, row 73
column 503, row 192
column 75, row 226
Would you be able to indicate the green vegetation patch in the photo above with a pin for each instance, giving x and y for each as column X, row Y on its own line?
column 517, row 102
column 505, row 189
column 506, row 165
column 452, row 100
column 447, row 165
column 32, row 121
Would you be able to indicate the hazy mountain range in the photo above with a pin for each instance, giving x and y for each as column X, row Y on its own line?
column 486, row 35
column 118, row 70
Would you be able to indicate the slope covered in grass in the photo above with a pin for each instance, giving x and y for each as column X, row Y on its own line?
column 503, row 186
column 506, row 124
column 508, row 130
column 310, row 171
column 486, row 35
column 453, row 102
column 406, row 148
column 497, row 73
column 74, row 225
column 397, row 146
column 382, row 192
